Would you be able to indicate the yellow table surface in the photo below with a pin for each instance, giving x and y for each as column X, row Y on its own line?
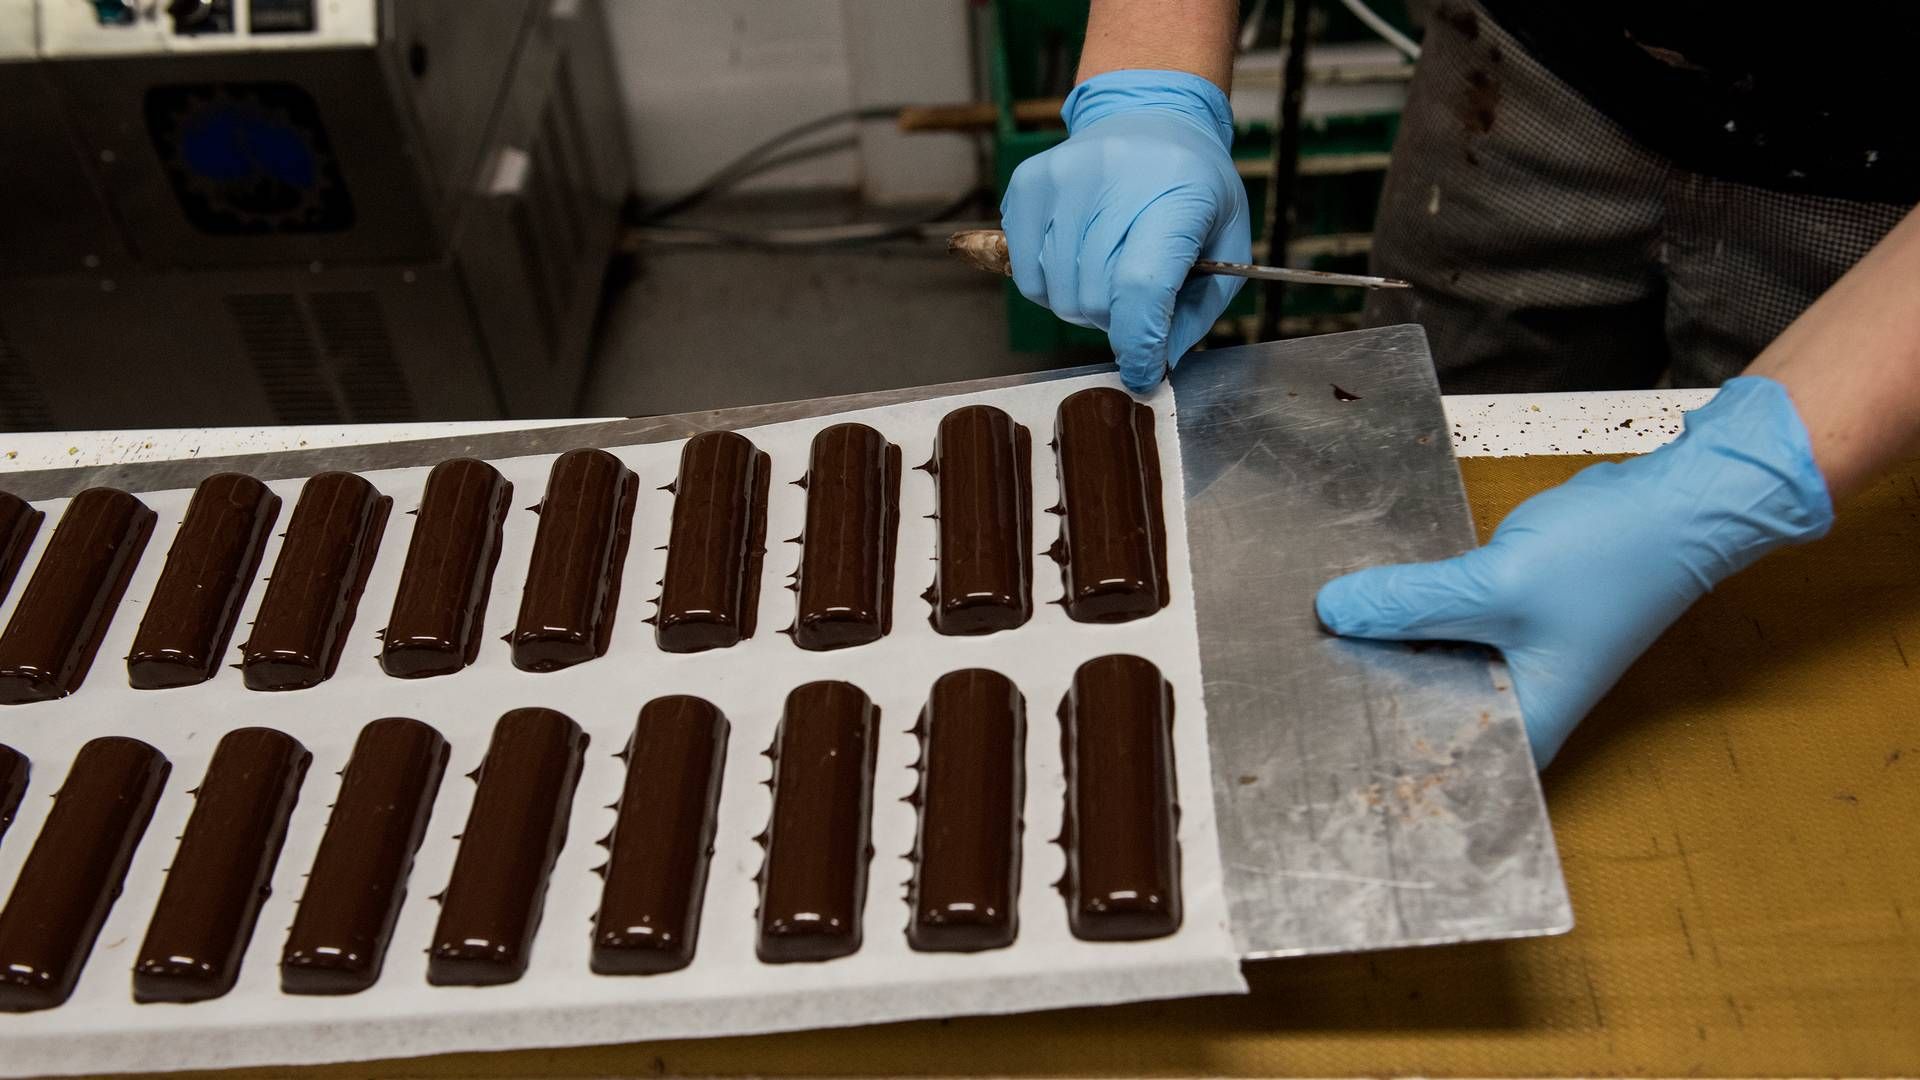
column 1740, row 827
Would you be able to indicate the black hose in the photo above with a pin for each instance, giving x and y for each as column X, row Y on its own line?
column 750, row 163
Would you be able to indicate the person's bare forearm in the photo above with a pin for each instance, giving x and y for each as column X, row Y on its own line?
column 1194, row 36
column 1851, row 363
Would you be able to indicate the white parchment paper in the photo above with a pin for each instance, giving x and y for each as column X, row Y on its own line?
column 560, row 1002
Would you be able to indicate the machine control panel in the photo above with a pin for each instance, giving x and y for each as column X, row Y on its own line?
column 123, row 27
column 280, row 16
column 201, row 16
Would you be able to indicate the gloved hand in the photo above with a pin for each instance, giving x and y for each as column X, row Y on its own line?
column 1580, row 579
column 1104, row 227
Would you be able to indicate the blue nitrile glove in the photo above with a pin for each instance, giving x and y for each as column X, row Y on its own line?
column 1104, row 227
column 1580, row 579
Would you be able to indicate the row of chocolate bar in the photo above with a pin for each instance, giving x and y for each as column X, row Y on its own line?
column 1123, row 860
column 1112, row 550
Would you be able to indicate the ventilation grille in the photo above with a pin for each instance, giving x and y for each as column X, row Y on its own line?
column 353, row 337
column 322, row 358
column 550, row 219
column 22, row 406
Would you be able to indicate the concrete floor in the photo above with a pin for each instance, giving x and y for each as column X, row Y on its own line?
column 710, row 327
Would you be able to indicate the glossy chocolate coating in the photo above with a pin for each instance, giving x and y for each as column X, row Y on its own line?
column 514, row 833
column 442, row 600
column 73, row 874
column 332, row 539
column 210, row 567
column 965, row 894
column 66, row 608
column 1120, row 832
column 1113, row 531
column 813, row 885
column 19, row 522
column 846, row 553
column 649, row 919
column 359, row 878
column 573, row 579
column 14, row 771
column 711, row 591
column 983, row 474
column 221, row 874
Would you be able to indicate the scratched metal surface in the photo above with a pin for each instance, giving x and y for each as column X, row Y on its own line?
column 1370, row 796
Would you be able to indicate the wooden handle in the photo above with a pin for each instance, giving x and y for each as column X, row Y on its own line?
column 982, row 249
column 972, row 116
column 978, row 115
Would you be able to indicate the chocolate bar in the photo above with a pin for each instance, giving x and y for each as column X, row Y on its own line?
column 222, row 871
column 1113, row 532
column 14, row 770
column 649, row 920
column 965, row 894
column 19, row 522
column 813, row 885
column 573, row 579
column 74, row 872
column 1123, row 854
column 358, row 882
column 66, row 607
column 193, row 609
column 331, row 542
column 442, row 599
column 845, row 580
column 711, row 591
column 514, row 833
column 982, row 467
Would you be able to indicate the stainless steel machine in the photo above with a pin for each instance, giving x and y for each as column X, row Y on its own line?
column 301, row 211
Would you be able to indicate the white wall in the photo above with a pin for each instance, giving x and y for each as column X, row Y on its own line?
column 703, row 80
column 911, row 52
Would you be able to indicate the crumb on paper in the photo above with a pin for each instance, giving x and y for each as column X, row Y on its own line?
column 72, row 450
